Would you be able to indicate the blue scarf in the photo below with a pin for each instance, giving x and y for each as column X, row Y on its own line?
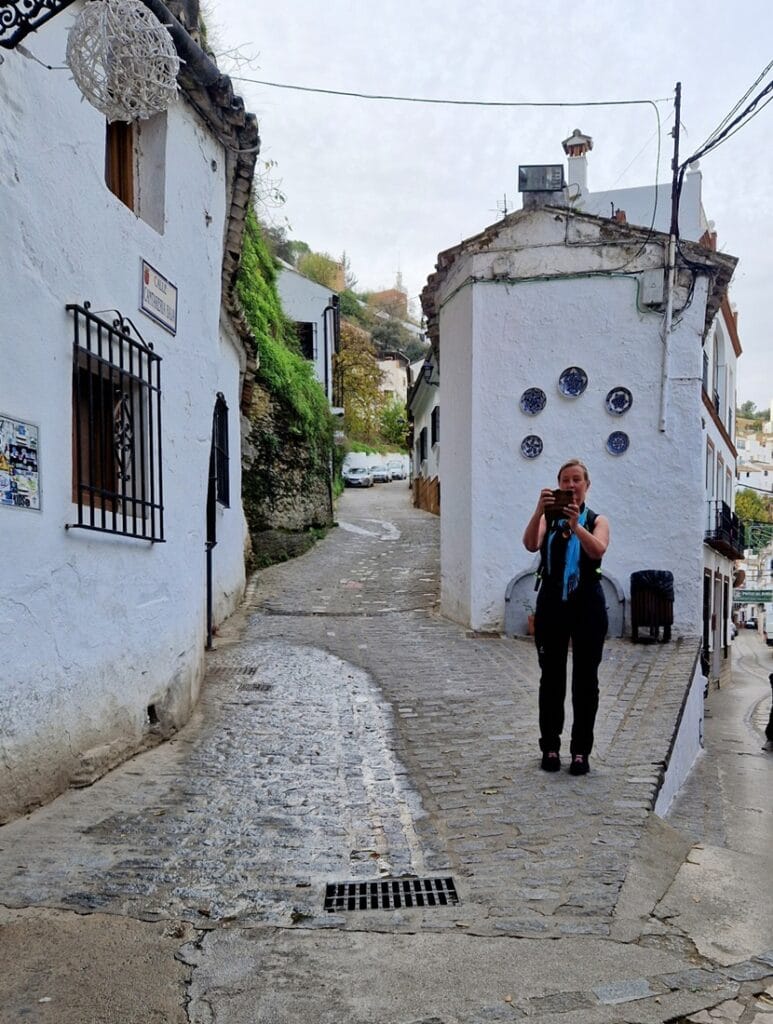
column 572, row 558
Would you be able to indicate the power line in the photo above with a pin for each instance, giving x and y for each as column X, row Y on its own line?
column 448, row 102
column 727, row 117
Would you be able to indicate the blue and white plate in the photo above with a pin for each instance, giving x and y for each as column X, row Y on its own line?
column 618, row 401
column 533, row 400
column 531, row 446
column 617, row 443
column 572, row 382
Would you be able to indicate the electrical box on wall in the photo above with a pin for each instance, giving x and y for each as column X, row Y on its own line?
column 540, row 177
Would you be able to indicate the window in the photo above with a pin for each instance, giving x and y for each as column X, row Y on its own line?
column 423, row 444
column 116, row 429
column 435, row 425
column 135, row 166
column 307, row 336
column 119, row 161
column 709, row 469
column 220, row 451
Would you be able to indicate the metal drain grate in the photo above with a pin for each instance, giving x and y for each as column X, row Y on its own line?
column 235, row 672
column 390, row 894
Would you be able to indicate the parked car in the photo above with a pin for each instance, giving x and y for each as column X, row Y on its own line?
column 380, row 473
column 751, row 623
column 357, row 476
column 397, row 469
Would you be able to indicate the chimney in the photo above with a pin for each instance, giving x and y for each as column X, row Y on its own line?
column 576, row 147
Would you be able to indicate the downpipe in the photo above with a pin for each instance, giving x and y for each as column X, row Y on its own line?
column 665, row 335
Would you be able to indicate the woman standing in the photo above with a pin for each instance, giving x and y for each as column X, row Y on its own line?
column 572, row 540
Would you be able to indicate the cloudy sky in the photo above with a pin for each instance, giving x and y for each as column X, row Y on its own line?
column 392, row 184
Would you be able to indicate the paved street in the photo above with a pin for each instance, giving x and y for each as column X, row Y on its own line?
column 347, row 732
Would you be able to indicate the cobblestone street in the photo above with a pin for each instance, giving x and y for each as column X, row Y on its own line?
column 346, row 731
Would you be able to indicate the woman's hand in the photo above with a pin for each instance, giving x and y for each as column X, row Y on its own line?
column 546, row 501
column 535, row 528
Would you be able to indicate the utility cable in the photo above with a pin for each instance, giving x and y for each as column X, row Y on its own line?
column 458, row 103
column 745, row 96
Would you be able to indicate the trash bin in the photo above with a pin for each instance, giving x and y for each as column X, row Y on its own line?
column 652, row 603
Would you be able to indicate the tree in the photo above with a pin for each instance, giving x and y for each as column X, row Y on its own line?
column 752, row 507
column 394, row 423
column 350, row 280
column 322, row 268
column 356, row 382
column 747, row 411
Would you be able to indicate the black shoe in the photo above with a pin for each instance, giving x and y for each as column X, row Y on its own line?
column 551, row 762
column 579, row 765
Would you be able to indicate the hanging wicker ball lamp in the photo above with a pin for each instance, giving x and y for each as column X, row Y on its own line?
column 123, row 60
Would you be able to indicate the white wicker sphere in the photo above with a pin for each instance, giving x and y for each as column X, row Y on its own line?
column 123, row 60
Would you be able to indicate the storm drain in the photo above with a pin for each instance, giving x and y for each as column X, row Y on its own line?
column 390, row 894
column 233, row 671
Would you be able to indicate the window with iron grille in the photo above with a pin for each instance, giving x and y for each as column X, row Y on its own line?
column 307, row 336
column 435, row 424
column 116, row 428
column 423, row 444
column 220, row 451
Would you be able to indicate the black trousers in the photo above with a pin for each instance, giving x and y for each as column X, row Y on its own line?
column 583, row 620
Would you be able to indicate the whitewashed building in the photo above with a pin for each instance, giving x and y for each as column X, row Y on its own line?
column 548, row 330
column 424, row 416
column 315, row 311
column 651, row 207
column 125, row 365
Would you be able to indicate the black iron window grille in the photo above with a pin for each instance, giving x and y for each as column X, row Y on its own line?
column 423, row 444
column 220, row 452
column 307, row 338
column 435, row 424
column 116, row 436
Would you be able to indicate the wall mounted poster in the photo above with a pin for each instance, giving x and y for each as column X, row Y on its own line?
column 19, row 480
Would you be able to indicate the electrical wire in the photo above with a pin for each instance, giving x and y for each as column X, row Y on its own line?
column 458, row 103
column 727, row 117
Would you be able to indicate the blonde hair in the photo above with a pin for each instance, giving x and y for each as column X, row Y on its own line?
column 575, row 462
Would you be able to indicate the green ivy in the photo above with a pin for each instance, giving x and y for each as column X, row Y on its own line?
column 285, row 373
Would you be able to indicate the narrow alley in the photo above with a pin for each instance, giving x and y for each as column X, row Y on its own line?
column 346, row 732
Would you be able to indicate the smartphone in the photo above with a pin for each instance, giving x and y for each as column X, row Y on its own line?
column 557, row 510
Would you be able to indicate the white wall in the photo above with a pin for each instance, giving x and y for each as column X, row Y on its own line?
column 639, row 206
column 457, row 469
column 99, row 627
column 687, row 746
column 524, row 335
column 305, row 301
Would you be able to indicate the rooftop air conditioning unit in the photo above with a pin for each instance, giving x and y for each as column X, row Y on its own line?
column 540, row 177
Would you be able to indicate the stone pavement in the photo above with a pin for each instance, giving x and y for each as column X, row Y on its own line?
column 347, row 732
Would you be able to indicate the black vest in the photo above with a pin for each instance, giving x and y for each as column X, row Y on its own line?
column 590, row 568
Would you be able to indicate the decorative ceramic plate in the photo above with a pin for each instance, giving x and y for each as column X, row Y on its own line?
column 572, row 382
column 531, row 446
column 617, row 442
column 533, row 400
column 618, row 401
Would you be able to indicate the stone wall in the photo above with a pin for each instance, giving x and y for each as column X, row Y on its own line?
column 285, row 484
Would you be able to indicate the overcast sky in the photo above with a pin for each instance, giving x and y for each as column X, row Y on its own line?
column 392, row 184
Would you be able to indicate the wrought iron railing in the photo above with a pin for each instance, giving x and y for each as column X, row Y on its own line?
column 724, row 530
column 116, row 394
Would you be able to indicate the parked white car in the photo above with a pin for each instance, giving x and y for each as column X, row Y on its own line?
column 357, row 476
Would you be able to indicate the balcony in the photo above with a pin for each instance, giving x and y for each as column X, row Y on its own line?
column 724, row 532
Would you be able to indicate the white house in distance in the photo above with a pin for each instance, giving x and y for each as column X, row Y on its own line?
column 548, row 330
column 315, row 311
column 424, row 416
column 722, row 543
column 125, row 366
